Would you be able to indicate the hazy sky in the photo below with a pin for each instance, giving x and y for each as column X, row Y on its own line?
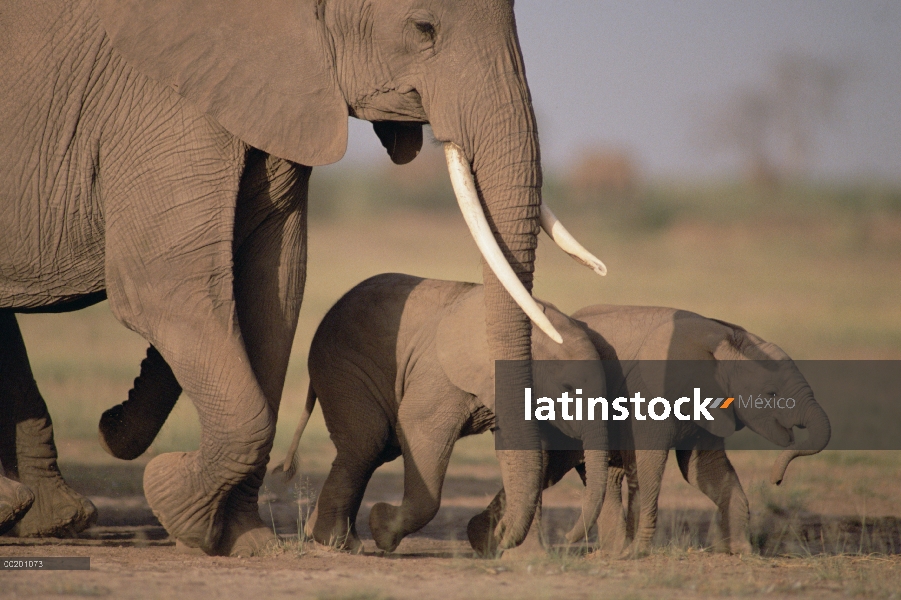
column 642, row 75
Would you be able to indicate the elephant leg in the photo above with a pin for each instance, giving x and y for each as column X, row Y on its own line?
column 480, row 529
column 270, row 271
column 649, row 466
column 128, row 429
column 15, row 500
column 27, row 450
column 428, row 436
column 362, row 435
column 557, row 464
column 170, row 277
column 334, row 521
column 711, row 472
column 612, row 522
column 632, row 495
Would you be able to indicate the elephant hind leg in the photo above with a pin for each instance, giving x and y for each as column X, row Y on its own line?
column 128, row 429
column 647, row 471
column 27, row 450
column 363, row 445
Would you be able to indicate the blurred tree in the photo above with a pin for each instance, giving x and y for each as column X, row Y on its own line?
column 602, row 174
column 773, row 128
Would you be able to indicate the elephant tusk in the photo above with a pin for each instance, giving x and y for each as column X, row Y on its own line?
column 554, row 228
column 468, row 199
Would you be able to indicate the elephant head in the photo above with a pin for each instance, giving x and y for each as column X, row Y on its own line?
column 464, row 356
column 284, row 75
column 746, row 363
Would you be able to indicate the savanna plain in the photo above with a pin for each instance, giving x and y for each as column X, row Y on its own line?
column 814, row 269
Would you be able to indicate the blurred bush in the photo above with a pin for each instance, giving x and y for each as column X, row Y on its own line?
column 606, row 186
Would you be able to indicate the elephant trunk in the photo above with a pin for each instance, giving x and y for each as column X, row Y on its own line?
column 508, row 178
column 596, row 463
column 481, row 103
column 817, row 424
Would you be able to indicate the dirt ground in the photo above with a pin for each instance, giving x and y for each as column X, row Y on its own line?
column 808, row 545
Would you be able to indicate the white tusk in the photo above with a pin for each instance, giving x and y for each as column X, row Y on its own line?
column 554, row 228
column 468, row 199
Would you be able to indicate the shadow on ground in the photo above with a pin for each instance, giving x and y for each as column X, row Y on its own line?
column 125, row 519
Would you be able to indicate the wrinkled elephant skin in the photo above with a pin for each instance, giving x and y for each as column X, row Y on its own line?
column 157, row 153
column 401, row 367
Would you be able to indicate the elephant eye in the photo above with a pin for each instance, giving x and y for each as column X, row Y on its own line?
column 425, row 28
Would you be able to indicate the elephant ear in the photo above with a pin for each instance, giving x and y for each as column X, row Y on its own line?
column 403, row 141
column 261, row 69
column 462, row 346
column 678, row 356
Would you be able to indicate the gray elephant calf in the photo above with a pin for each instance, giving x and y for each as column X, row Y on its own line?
column 401, row 366
column 633, row 341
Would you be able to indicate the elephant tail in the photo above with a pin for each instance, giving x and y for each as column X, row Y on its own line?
column 289, row 465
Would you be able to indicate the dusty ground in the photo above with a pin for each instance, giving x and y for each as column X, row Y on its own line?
column 834, row 543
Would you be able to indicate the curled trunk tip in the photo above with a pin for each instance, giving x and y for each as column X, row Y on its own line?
column 817, row 423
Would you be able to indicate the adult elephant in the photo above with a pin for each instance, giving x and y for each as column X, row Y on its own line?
column 158, row 153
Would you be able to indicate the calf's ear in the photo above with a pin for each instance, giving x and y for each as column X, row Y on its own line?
column 262, row 70
column 461, row 343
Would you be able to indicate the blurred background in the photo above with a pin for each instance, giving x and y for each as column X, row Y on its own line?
column 738, row 159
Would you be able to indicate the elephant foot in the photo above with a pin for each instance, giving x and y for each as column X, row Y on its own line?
column 342, row 536
column 15, row 500
column 635, row 550
column 128, row 429
column 740, row 547
column 480, row 532
column 121, row 438
column 57, row 511
column 246, row 535
column 190, row 513
column 385, row 524
column 530, row 549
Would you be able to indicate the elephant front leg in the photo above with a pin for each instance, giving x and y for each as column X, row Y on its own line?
column 188, row 491
column 170, row 276
column 270, row 273
column 711, row 472
column 427, row 441
column 15, row 500
column 28, row 452
column 648, row 471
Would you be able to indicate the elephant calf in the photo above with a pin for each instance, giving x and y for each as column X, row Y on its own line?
column 401, row 366
column 632, row 340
